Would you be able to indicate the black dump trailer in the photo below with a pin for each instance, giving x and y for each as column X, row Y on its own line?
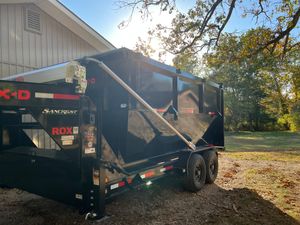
column 84, row 131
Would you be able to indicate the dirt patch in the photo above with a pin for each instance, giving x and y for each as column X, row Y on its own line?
column 245, row 192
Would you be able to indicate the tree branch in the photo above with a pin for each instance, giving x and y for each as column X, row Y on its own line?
column 232, row 5
column 285, row 45
column 291, row 26
column 206, row 19
column 262, row 10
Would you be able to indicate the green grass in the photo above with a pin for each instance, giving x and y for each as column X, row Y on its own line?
column 262, row 141
column 282, row 156
column 271, row 179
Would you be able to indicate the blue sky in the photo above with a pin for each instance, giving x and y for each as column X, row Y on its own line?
column 105, row 16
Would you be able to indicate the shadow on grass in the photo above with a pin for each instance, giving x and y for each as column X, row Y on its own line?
column 165, row 202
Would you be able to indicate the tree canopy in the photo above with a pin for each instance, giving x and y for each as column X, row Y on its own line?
column 262, row 91
column 202, row 25
column 260, row 68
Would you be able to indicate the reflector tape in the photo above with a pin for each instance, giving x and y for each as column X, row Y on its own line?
column 143, row 176
column 121, row 184
column 187, row 110
column 117, row 185
column 212, row 113
column 43, row 95
column 114, row 186
column 174, row 159
column 161, row 110
column 56, row 96
column 166, row 168
column 147, row 175
column 66, row 96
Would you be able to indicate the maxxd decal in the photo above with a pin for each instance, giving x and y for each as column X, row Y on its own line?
column 8, row 94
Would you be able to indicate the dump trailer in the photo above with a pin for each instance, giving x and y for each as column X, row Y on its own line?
column 84, row 131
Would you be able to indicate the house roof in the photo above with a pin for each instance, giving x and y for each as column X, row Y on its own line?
column 66, row 17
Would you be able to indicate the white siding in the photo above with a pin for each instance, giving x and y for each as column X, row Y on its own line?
column 22, row 50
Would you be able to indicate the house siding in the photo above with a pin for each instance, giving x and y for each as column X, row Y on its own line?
column 22, row 50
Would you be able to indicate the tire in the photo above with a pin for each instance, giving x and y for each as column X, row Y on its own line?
column 212, row 166
column 196, row 173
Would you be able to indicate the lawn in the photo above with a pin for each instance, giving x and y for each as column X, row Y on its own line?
column 270, row 164
column 262, row 141
column 260, row 184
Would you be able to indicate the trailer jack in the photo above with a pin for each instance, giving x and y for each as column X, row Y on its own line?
column 95, row 217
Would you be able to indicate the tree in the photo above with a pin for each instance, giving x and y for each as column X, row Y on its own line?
column 230, row 65
column 260, row 69
column 203, row 24
column 144, row 47
column 189, row 62
column 261, row 91
column 282, row 86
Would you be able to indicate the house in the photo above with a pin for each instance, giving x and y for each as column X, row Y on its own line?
column 39, row 33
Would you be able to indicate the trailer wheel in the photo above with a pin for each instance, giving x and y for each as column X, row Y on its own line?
column 196, row 173
column 212, row 166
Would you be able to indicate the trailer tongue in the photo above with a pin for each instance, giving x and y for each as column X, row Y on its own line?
column 83, row 131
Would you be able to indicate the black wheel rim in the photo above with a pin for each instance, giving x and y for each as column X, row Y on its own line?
column 212, row 168
column 198, row 173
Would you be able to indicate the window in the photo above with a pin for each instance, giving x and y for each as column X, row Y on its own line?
column 211, row 99
column 32, row 20
column 156, row 89
column 188, row 97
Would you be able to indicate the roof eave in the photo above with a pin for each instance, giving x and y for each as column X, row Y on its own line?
column 63, row 15
column 75, row 24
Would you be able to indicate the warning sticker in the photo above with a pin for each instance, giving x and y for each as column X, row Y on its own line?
column 79, row 196
column 67, row 137
column 90, row 144
column 75, row 130
column 67, row 142
column 89, row 150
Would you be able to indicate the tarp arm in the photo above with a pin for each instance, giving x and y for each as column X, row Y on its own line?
column 140, row 100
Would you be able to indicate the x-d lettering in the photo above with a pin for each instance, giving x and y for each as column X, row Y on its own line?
column 7, row 94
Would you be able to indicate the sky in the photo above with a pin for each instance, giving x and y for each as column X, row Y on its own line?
column 105, row 16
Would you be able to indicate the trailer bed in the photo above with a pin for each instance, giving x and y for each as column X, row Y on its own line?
column 112, row 122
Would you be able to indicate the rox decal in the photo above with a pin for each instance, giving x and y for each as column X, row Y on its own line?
column 8, row 94
column 64, row 130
